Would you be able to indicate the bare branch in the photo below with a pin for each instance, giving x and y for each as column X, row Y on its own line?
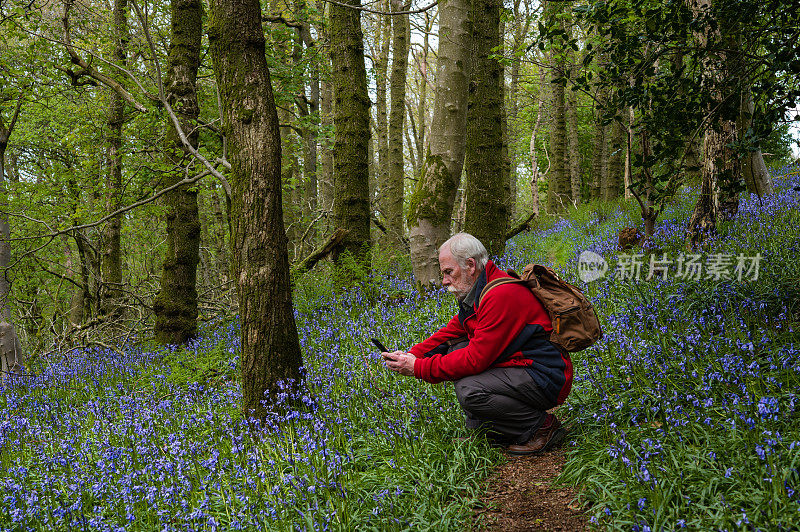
column 88, row 70
column 368, row 10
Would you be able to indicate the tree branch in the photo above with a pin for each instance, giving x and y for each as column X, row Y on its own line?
column 91, row 72
column 333, row 242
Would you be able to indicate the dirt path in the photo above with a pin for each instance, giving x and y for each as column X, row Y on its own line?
column 519, row 497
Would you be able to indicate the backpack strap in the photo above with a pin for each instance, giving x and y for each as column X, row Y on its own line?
column 498, row 282
column 509, row 280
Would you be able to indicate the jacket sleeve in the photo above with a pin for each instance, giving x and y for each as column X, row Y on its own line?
column 436, row 343
column 499, row 322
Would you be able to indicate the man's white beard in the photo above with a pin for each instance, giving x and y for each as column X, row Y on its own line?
column 459, row 294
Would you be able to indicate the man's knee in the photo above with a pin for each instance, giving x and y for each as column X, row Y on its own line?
column 471, row 395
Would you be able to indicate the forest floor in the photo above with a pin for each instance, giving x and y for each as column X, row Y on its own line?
column 521, row 495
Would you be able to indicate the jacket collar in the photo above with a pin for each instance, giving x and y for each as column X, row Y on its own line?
column 467, row 307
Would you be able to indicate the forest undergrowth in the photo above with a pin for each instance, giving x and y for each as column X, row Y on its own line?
column 684, row 415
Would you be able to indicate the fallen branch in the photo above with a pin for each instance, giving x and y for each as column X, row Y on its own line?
column 333, row 242
column 520, row 227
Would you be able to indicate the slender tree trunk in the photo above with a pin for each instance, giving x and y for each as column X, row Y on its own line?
column 351, row 121
column 486, row 189
column 111, row 255
column 11, row 357
column 270, row 348
column 628, row 152
column 311, row 112
column 422, row 104
column 393, row 193
column 175, row 306
column 598, row 147
column 574, row 147
column 535, row 172
column 384, row 38
column 432, row 202
column 221, row 250
column 615, row 162
column 755, row 172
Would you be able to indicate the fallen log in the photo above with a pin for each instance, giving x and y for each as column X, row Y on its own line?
column 520, row 227
column 322, row 251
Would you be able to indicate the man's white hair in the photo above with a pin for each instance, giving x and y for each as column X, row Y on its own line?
column 464, row 246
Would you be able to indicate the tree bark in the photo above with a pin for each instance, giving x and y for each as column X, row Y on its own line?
column 598, row 147
column 175, row 306
column 615, row 162
column 393, row 193
column 431, row 205
column 270, row 348
column 111, row 254
column 11, row 357
column 755, row 172
column 384, row 40
column 573, row 141
column 326, row 189
column 559, row 188
column 351, row 122
column 486, row 215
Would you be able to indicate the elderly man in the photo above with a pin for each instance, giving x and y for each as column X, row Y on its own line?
column 506, row 371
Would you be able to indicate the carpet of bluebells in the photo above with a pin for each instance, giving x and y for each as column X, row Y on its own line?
column 684, row 415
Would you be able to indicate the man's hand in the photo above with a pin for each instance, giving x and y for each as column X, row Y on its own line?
column 401, row 362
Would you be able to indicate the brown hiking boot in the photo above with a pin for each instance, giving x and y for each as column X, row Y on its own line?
column 547, row 437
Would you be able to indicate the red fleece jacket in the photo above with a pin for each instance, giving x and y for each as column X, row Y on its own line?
column 501, row 317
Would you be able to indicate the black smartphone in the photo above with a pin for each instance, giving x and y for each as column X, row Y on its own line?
column 379, row 345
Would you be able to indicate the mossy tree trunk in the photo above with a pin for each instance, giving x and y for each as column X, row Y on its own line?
column 486, row 215
column 573, row 140
column 431, row 205
column 175, row 306
column 393, row 193
column 270, row 348
column 559, row 188
column 326, row 189
column 351, row 122
column 111, row 252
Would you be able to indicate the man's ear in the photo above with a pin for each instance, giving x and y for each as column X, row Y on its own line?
column 472, row 265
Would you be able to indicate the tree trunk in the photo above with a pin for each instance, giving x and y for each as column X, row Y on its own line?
column 615, row 162
column 270, row 348
column 111, row 254
column 432, row 202
column 598, row 147
column 486, row 215
column 10, row 349
column 326, row 189
column 383, row 44
column 175, row 306
column 393, row 193
column 573, row 142
column 351, row 122
column 221, row 250
column 755, row 172
column 535, row 173
column 422, row 104
column 626, row 182
column 559, row 189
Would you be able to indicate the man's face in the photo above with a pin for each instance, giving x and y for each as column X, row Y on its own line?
column 456, row 279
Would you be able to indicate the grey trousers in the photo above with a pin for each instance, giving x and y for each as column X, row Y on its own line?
column 505, row 402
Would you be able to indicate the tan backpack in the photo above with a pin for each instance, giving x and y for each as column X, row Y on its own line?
column 575, row 325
